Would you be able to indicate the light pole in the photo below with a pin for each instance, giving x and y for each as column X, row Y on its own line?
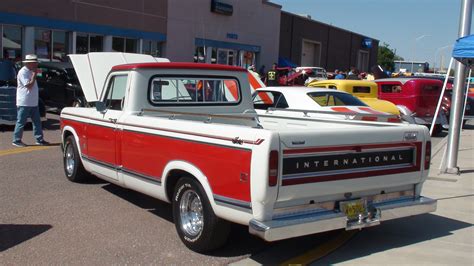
column 414, row 46
column 437, row 52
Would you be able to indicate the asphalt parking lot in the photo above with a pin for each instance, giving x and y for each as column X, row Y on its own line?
column 45, row 219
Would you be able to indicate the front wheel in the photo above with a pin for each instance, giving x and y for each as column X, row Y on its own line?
column 73, row 167
column 197, row 225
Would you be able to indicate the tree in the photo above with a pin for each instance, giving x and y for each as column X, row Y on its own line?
column 386, row 57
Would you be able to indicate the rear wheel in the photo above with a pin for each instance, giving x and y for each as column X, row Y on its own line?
column 197, row 225
column 73, row 167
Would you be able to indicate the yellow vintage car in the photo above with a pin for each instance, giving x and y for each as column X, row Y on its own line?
column 366, row 91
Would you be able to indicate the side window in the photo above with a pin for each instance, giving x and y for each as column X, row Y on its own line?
column 360, row 89
column 116, row 92
column 332, row 87
column 389, row 88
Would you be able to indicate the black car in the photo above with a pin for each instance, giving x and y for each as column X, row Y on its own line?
column 59, row 86
column 8, row 85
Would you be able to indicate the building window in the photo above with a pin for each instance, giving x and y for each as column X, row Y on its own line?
column 131, row 45
column 199, row 54
column 51, row 45
column 11, row 42
column 60, row 46
column 96, row 43
column 43, row 44
column 246, row 59
column 214, row 55
column 86, row 43
column 82, row 43
column 120, row 44
column 153, row 48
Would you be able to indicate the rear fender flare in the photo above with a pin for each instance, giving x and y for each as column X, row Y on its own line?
column 193, row 171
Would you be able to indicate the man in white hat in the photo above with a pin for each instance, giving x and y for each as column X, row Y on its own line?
column 27, row 97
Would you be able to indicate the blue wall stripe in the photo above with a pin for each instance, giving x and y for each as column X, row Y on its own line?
column 226, row 45
column 25, row 20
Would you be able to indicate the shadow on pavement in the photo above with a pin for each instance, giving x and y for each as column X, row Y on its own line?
column 394, row 234
column 155, row 206
column 51, row 124
column 240, row 241
column 14, row 234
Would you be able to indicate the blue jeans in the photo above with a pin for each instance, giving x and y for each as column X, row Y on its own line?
column 23, row 112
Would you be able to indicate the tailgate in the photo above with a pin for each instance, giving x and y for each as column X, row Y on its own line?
column 331, row 163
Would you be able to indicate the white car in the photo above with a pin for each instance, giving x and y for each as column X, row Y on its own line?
column 318, row 102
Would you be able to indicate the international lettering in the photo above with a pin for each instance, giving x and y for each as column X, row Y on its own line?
column 347, row 161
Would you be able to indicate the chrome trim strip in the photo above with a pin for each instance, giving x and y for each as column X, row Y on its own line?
column 347, row 171
column 311, row 223
column 234, row 202
column 103, row 164
column 143, row 177
column 302, row 155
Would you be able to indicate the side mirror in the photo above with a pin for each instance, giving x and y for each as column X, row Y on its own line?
column 100, row 106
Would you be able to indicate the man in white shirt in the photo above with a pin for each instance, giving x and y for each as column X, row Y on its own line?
column 27, row 102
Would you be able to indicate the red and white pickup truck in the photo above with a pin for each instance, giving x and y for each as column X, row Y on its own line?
column 188, row 134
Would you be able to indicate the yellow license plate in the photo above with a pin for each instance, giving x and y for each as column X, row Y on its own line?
column 353, row 208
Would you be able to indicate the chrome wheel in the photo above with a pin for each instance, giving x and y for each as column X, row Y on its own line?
column 69, row 159
column 190, row 209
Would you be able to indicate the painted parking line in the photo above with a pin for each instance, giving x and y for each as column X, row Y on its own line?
column 321, row 250
column 24, row 150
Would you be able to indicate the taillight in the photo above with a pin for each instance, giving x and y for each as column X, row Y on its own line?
column 273, row 169
column 427, row 155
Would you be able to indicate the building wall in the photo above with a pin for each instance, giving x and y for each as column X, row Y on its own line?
column 142, row 15
column 255, row 23
column 339, row 47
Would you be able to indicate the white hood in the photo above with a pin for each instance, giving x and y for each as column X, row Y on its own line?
column 92, row 69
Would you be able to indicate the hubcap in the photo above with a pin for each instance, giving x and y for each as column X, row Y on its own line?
column 69, row 158
column 190, row 209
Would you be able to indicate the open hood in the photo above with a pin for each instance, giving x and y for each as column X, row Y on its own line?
column 92, row 69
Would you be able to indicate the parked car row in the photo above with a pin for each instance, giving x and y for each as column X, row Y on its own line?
column 413, row 98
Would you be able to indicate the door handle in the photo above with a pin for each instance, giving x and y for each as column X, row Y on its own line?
column 113, row 120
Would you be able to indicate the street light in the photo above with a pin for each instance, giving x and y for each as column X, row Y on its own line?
column 414, row 46
column 437, row 52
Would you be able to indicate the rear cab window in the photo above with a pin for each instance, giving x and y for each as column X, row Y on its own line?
column 193, row 91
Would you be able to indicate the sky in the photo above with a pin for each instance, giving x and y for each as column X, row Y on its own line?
column 422, row 30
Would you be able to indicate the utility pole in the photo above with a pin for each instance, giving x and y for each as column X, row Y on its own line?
column 457, row 107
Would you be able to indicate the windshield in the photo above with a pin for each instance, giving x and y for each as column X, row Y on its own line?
column 334, row 98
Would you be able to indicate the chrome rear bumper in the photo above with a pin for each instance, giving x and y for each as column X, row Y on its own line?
column 305, row 224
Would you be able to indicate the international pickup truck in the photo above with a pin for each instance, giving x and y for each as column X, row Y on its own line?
column 188, row 134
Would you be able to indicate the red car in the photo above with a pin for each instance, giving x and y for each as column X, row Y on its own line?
column 416, row 98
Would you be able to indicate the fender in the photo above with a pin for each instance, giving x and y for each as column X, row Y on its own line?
column 191, row 169
column 76, row 138
column 226, row 213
